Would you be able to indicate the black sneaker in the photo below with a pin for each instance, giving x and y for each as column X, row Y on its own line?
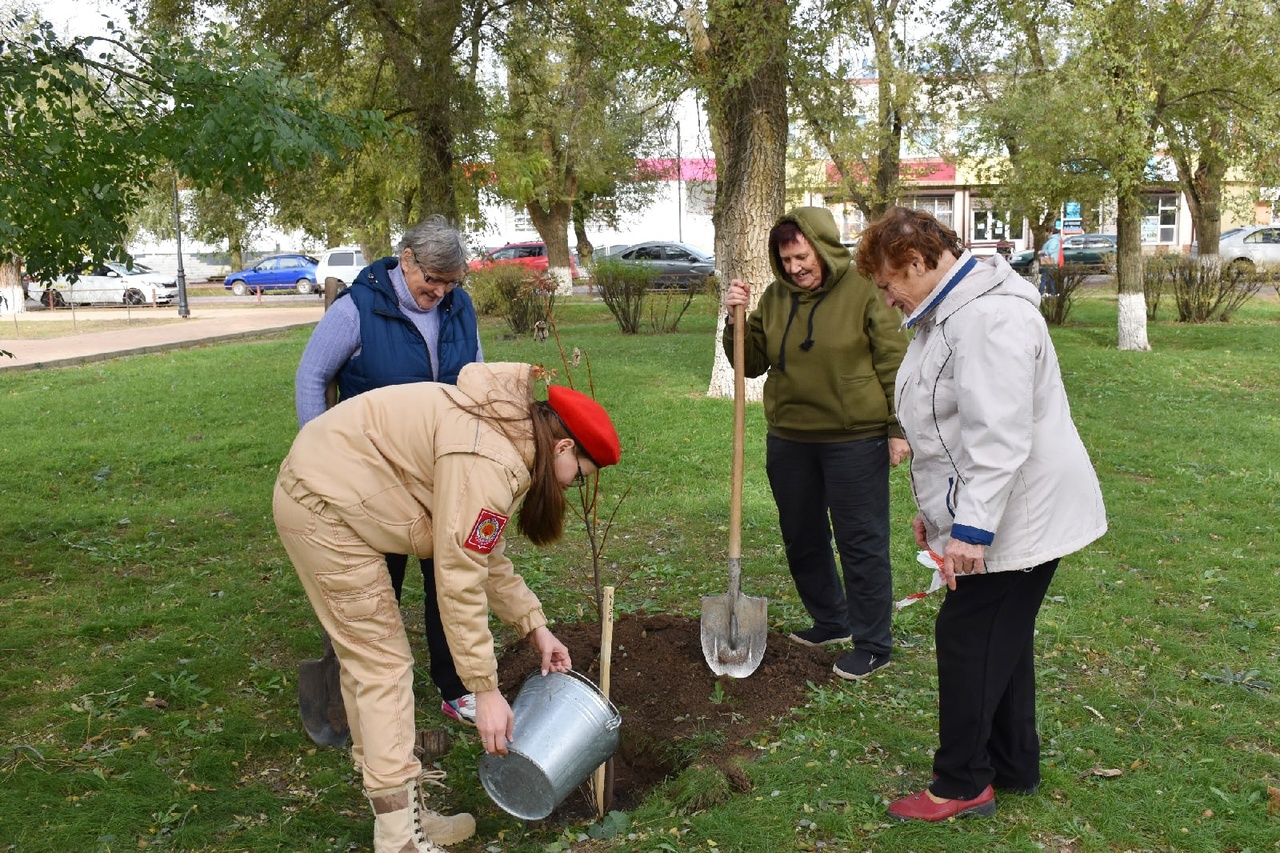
column 816, row 636
column 859, row 663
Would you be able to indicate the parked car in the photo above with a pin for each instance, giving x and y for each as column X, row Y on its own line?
column 676, row 265
column 529, row 254
column 292, row 271
column 342, row 263
column 1097, row 251
column 1246, row 249
column 111, row 282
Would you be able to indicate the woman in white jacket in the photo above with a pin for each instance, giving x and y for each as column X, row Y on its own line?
column 1004, row 489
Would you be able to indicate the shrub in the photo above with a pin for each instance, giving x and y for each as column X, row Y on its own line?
column 1208, row 292
column 668, row 305
column 623, row 288
column 1065, row 280
column 515, row 294
column 1157, row 279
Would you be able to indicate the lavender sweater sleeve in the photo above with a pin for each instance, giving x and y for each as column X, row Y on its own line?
column 335, row 340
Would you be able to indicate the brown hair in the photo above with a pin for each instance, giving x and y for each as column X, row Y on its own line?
column 541, row 516
column 785, row 232
column 889, row 240
column 542, row 513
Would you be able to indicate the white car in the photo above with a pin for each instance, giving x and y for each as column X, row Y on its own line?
column 111, row 282
column 1248, row 248
column 342, row 263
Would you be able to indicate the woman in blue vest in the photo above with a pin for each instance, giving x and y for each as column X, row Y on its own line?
column 403, row 319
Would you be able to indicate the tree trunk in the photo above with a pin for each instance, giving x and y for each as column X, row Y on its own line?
column 553, row 227
column 12, row 297
column 1131, row 302
column 1202, row 186
column 743, row 72
column 582, row 241
column 425, row 79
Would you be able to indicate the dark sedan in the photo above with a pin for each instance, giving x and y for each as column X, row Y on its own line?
column 675, row 265
column 1096, row 251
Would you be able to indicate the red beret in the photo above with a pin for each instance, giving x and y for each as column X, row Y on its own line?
column 588, row 423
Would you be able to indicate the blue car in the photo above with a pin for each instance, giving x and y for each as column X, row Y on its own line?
column 275, row 272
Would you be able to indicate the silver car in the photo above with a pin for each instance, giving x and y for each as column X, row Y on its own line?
column 1246, row 249
column 111, row 283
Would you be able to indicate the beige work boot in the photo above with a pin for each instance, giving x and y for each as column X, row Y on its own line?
column 400, row 821
column 442, row 829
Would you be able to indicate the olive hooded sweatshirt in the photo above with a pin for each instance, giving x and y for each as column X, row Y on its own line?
column 832, row 354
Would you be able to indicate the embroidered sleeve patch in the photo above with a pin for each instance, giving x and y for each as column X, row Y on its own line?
column 486, row 530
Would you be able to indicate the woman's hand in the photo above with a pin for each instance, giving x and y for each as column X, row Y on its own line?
column 917, row 527
column 737, row 294
column 899, row 450
column 962, row 558
column 495, row 721
column 555, row 655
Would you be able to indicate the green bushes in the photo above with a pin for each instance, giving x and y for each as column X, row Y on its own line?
column 633, row 294
column 1201, row 292
column 520, row 297
column 1064, row 281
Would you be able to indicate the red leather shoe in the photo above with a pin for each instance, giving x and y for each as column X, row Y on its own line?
column 920, row 807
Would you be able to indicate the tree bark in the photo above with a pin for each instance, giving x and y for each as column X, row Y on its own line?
column 553, row 226
column 425, row 78
column 1131, row 322
column 742, row 69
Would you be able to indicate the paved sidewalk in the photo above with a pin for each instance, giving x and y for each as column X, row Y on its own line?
column 205, row 325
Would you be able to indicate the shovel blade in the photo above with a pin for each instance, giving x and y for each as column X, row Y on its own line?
column 734, row 631
column 320, row 700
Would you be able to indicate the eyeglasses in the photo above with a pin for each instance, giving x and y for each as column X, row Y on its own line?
column 579, row 479
column 434, row 281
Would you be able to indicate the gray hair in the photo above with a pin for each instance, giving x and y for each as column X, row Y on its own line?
column 436, row 245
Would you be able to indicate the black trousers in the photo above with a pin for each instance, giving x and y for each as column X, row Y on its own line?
column 443, row 672
column 840, row 487
column 985, row 649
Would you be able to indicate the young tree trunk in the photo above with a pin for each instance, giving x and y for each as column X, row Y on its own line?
column 1132, row 303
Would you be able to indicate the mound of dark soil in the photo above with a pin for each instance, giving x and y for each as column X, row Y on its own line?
column 674, row 709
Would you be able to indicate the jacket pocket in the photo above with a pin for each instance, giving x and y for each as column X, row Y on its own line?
column 862, row 402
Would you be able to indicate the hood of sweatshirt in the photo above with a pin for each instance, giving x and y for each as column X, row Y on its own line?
column 818, row 227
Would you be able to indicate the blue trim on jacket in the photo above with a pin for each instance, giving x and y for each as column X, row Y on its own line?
column 972, row 535
column 392, row 350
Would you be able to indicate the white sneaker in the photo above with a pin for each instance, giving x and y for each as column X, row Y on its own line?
column 462, row 709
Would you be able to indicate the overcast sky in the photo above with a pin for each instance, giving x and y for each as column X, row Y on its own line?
column 79, row 17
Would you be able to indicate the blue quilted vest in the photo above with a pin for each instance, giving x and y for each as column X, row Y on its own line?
column 392, row 350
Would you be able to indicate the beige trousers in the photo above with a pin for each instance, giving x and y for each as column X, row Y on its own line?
column 347, row 583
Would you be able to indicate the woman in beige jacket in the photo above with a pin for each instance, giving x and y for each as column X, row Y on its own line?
column 435, row 471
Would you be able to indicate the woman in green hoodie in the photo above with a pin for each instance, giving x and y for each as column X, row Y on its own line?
column 831, row 347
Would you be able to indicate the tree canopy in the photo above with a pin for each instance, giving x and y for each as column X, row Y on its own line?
column 86, row 123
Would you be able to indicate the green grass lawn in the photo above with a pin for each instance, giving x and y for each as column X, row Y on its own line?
column 152, row 624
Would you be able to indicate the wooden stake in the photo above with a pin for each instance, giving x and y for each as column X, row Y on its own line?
column 606, row 659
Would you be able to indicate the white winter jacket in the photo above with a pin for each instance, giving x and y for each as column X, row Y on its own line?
column 996, row 459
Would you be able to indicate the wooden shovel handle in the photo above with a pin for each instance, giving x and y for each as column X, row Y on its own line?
column 739, row 431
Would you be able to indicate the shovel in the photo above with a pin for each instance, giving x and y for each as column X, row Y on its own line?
column 320, row 699
column 734, row 626
column 319, row 685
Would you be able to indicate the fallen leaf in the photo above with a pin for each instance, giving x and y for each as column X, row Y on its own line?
column 1273, row 807
column 1104, row 772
